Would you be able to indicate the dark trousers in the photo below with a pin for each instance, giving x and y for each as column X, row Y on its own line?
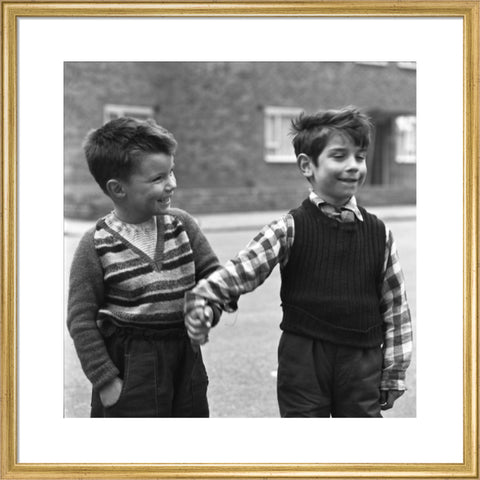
column 162, row 377
column 319, row 379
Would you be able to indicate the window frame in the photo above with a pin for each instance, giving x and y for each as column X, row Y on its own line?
column 271, row 143
column 404, row 159
column 118, row 110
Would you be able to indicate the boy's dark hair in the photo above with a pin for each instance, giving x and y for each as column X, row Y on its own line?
column 113, row 149
column 312, row 132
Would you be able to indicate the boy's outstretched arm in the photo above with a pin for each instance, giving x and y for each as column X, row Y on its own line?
column 397, row 345
column 244, row 273
column 251, row 266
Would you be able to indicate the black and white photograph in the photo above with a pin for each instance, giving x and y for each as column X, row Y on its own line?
column 239, row 240
column 282, row 197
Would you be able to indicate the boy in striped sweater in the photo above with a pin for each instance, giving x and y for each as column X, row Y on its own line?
column 347, row 334
column 128, row 279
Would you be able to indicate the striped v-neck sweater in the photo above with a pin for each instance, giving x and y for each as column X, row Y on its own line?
column 112, row 279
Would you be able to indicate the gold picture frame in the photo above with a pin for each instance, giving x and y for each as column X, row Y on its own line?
column 469, row 11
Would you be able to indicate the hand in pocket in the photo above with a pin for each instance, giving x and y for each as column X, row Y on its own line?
column 110, row 392
column 388, row 398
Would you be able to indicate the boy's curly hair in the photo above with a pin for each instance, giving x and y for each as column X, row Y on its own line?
column 312, row 132
column 113, row 149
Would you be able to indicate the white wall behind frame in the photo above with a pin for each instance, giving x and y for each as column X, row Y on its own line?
column 44, row 436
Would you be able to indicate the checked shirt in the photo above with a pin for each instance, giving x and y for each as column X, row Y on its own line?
column 271, row 246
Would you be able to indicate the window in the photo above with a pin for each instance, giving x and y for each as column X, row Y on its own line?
column 405, row 134
column 278, row 142
column 407, row 65
column 110, row 112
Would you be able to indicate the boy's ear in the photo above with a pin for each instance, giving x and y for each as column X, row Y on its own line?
column 115, row 189
column 305, row 165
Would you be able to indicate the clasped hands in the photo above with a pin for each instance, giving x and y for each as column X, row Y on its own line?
column 198, row 318
column 199, row 323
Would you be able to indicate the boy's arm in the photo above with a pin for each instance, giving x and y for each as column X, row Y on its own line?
column 206, row 262
column 204, row 257
column 397, row 347
column 251, row 266
column 84, row 300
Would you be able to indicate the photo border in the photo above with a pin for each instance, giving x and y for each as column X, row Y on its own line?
column 467, row 10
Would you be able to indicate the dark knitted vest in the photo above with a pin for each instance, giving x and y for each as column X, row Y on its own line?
column 330, row 283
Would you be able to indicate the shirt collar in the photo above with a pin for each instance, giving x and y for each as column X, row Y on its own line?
column 350, row 205
column 113, row 221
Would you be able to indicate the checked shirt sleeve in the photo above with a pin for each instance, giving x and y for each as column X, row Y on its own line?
column 251, row 266
column 397, row 347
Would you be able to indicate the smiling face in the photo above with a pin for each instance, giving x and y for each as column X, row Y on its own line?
column 341, row 169
column 148, row 190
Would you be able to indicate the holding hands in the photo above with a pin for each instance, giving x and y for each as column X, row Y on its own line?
column 198, row 318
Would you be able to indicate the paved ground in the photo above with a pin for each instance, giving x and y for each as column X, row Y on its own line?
column 241, row 355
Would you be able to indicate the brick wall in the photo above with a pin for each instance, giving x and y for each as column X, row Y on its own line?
column 87, row 205
column 215, row 111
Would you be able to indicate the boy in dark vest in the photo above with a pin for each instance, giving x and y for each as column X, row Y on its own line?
column 129, row 276
column 346, row 329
